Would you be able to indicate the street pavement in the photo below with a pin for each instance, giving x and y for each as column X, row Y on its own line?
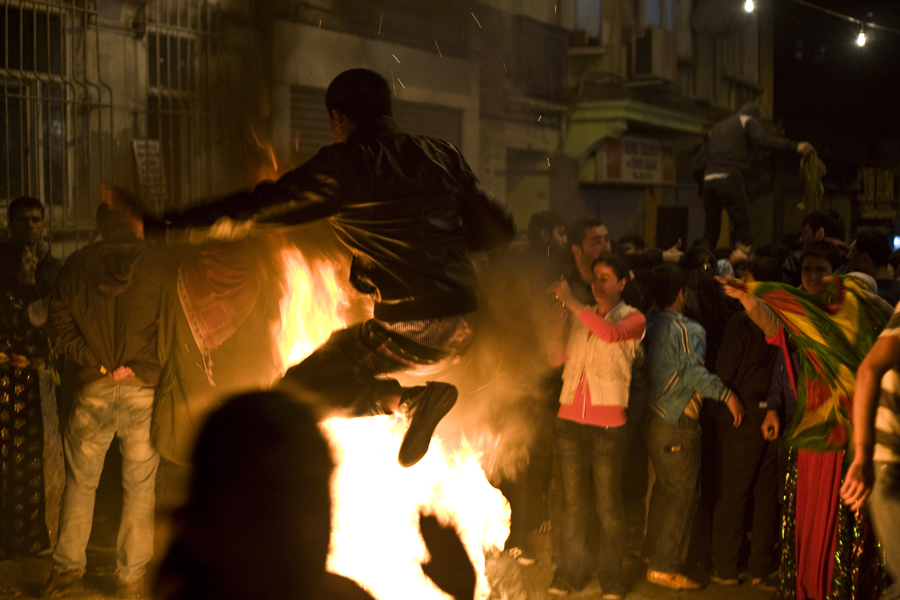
column 22, row 579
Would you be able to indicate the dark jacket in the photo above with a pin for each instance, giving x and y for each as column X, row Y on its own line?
column 104, row 311
column 745, row 364
column 727, row 151
column 407, row 207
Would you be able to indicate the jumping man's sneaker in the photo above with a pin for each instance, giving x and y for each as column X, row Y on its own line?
column 428, row 406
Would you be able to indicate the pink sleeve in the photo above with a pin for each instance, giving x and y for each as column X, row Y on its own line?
column 629, row 328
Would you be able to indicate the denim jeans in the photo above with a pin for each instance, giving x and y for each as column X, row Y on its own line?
column 100, row 412
column 675, row 453
column 884, row 507
column 591, row 454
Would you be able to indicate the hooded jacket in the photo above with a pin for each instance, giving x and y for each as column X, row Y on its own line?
column 727, row 151
column 407, row 207
column 104, row 311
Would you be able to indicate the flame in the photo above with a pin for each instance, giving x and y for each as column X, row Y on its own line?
column 375, row 538
column 268, row 167
column 312, row 307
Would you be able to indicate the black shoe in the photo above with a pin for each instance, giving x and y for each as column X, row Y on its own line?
column 62, row 583
column 428, row 408
column 560, row 586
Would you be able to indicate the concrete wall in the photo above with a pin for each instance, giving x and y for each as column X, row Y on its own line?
column 308, row 56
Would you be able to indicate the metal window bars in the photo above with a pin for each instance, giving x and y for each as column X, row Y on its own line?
column 54, row 111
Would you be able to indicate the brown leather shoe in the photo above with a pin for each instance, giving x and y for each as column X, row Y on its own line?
column 130, row 589
column 673, row 581
column 61, row 582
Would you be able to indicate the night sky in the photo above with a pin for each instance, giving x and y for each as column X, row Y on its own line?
column 842, row 98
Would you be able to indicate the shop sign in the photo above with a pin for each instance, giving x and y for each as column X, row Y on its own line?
column 636, row 161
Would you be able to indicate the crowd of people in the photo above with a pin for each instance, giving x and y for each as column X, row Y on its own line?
column 722, row 375
column 739, row 388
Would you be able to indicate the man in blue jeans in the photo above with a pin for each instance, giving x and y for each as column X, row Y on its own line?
column 678, row 380
column 103, row 316
column 874, row 474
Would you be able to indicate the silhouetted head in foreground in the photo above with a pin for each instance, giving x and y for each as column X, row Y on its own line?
column 257, row 521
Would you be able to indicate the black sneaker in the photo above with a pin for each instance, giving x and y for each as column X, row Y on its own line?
column 560, row 585
column 428, row 408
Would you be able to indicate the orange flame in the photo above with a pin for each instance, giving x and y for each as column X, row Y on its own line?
column 375, row 538
column 312, row 308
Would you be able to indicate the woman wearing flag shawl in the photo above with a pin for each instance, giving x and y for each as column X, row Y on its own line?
column 828, row 551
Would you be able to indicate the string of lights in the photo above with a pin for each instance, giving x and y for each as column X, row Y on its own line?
column 750, row 6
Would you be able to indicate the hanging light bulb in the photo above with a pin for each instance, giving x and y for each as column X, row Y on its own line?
column 749, row 6
column 861, row 38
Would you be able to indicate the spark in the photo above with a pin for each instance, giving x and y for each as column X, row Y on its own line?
column 392, row 82
column 438, row 48
column 379, row 22
column 395, row 58
column 320, row 23
column 504, row 68
column 548, row 161
column 467, row 364
column 401, row 83
column 501, row 360
column 554, row 8
column 539, row 118
column 476, row 20
column 481, row 388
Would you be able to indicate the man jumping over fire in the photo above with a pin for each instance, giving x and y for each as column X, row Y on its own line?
column 408, row 208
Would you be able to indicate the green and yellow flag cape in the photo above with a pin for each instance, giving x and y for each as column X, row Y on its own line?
column 832, row 338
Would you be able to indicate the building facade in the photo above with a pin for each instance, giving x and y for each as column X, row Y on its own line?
column 579, row 106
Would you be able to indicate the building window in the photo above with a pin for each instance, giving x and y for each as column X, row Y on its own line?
column 32, row 104
column 589, row 18
column 659, row 13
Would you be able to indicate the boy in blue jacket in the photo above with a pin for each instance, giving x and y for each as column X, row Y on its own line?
column 678, row 380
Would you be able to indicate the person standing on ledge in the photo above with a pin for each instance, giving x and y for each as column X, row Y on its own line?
column 724, row 159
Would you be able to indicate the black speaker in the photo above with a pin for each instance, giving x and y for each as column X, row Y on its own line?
column 671, row 226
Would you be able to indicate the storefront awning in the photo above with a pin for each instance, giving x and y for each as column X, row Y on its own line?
column 595, row 121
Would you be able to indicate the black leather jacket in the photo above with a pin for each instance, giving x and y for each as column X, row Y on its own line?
column 407, row 207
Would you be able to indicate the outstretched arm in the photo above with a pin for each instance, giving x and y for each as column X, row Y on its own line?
column 883, row 356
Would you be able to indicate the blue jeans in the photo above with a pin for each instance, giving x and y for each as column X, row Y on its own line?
column 100, row 412
column 591, row 454
column 884, row 508
column 675, row 453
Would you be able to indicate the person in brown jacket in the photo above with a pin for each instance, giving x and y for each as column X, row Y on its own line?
column 103, row 315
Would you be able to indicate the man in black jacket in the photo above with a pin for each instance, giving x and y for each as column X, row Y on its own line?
column 724, row 159
column 408, row 208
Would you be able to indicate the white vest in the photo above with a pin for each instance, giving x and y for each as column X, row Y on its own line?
column 606, row 366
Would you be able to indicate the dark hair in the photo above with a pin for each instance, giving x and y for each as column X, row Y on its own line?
column 751, row 108
column 894, row 261
column 875, row 243
column 699, row 263
column 633, row 239
column 764, row 268
column 577, row 232
column 545, row 220
column 615, row 262
column 666, row 281
column 775, row 250
column 263, row 422
column 23, row 203
column 11, row 253
column 361, row 94
column 114, row 225
column 828, row 220
column 823, row 249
